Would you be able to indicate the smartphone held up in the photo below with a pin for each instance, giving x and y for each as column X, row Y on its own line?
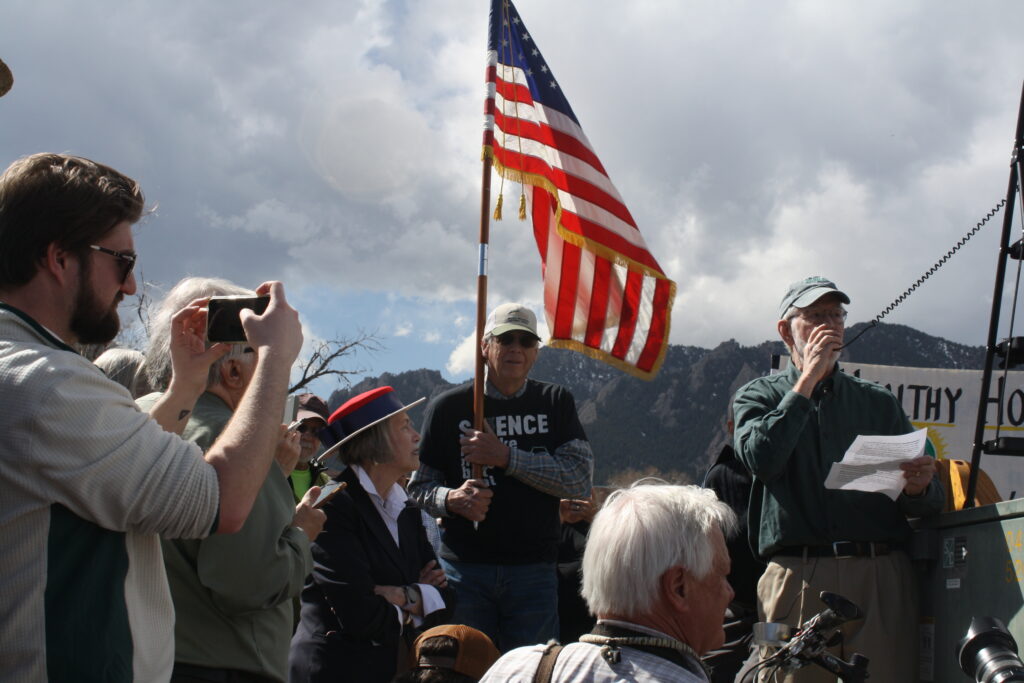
column 223, row 321
column 328, row 491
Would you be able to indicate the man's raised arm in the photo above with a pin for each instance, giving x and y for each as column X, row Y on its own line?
column 243, row 452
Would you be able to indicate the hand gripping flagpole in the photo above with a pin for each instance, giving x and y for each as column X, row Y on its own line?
column 497, row 12
column 481, row 307
column 481, row 304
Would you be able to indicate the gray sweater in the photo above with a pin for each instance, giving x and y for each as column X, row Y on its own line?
column 87, row 484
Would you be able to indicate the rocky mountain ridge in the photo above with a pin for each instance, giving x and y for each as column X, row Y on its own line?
column 675, row 424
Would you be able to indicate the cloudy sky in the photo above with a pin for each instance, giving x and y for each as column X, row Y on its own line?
column 336, row 146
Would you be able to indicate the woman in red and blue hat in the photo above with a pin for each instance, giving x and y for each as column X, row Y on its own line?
column 375, row 581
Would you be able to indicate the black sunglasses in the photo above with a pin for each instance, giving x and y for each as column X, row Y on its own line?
column 126, row 261
column 527, row 341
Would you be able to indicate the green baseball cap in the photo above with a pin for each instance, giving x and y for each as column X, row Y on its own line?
column 805, row 292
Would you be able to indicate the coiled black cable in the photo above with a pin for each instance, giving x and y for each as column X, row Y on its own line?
column 931, row 271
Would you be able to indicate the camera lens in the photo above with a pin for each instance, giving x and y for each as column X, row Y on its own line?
column 988, row 653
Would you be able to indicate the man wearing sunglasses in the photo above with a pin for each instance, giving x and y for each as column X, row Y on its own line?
column 89, row 481
column 790, row 428
column 500, row 538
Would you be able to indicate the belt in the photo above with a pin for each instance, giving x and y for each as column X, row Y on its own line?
column 839, row 550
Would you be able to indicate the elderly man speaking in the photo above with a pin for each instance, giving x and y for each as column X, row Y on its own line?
column 790, row 428
column 654, row 574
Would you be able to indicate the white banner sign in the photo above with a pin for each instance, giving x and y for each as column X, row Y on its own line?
column 945, row 402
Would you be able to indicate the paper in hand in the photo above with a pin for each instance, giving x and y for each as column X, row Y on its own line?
column 872, row 463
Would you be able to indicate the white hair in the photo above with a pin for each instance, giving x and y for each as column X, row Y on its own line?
column 639, row 534
column 791, row 313
column 157, row 367
column 123, row 366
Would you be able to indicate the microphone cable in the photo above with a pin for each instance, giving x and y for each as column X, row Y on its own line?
column 931, row 271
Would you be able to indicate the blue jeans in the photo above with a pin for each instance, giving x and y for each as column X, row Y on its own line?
column 515, row 605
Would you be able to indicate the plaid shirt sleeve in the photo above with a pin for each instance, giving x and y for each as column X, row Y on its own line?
column 566, row 473
column 427, row 492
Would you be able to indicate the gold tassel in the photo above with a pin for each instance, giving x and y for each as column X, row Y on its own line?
column 522, row 207
column 497, row 207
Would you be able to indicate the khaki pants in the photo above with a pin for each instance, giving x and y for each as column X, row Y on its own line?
column 884, row 589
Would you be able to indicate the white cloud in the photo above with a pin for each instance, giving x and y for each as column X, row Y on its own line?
column 338, row 147
column 269, row 217
column 462, row 360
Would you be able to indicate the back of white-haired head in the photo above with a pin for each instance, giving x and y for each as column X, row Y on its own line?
column 639, row 534
column 122, row 366
column 157, row 366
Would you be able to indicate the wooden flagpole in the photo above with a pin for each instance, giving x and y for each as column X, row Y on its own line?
column 481, row 304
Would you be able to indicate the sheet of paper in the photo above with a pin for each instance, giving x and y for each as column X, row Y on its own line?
column 872, row 463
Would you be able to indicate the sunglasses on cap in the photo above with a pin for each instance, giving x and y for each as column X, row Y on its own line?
column 524, row 339
column 124, row 260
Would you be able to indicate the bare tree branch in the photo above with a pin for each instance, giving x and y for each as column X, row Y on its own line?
column 135, row 333
column 323, row 359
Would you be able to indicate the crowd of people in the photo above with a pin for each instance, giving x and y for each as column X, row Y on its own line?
column 161, row 523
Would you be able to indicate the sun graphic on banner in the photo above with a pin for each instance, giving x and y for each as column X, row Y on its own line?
column 935, row 445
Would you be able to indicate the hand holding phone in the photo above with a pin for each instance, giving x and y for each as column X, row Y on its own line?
column 329, row 490
column 278, row 328
column 223, row 320
column 307, row 517
column 190, row 356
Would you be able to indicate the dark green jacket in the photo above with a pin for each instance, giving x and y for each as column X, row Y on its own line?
column 789, row 443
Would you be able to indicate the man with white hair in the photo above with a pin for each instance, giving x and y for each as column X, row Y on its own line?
column 790, row 428
column 233, row 594
column 654, row 575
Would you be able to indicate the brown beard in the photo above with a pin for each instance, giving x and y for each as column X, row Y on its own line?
column 91, row 323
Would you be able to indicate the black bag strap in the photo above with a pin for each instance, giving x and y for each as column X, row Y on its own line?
column 546, row 667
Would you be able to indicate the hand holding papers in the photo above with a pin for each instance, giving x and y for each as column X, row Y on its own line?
column 872, row 463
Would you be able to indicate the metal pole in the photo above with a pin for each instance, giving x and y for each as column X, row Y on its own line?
column 997, row 300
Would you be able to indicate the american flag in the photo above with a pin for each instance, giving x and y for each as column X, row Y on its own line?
column 604, row 293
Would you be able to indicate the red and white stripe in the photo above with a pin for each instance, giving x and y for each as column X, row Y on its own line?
column 604, row 292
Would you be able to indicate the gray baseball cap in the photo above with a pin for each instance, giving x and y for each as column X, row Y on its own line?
column 508, row 317
column 805, row 292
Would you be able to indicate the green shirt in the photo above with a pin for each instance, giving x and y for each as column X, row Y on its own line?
column 789, row 443
column 301, row 480
column 233, row 592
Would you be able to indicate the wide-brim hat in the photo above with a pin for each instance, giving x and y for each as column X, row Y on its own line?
column 358, row 414
column 803, row 293
column 476, row 653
